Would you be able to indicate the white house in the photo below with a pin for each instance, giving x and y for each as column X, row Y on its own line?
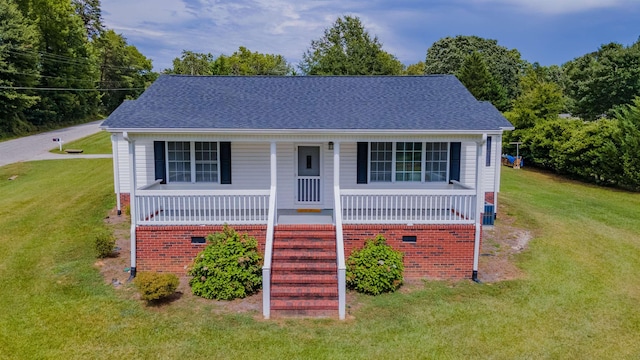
column 310, row 166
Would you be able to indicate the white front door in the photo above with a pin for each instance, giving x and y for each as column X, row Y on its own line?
column 309, row 189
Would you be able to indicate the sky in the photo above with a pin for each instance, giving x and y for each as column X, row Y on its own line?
column 545, row 31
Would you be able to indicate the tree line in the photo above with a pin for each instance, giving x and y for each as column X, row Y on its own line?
column 59, row 65
column 48, row 44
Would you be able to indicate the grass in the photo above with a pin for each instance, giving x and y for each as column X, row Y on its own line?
column 98, row 143
column 578, row 299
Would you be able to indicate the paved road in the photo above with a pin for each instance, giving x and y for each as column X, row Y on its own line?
column 36, row 147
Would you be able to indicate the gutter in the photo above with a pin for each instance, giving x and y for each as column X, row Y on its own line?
column 132, row 202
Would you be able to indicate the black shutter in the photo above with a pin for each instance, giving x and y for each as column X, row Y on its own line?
column 488, row 150
column 225, row 162
column 362, row 162
column 454, row 161
column 160, row 163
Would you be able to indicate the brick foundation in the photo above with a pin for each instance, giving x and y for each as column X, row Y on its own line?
column 169, row 248
column 124, row 200
column 440, row 251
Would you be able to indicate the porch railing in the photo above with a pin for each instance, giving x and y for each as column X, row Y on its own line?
column 408, row 206
column 201, row 207
column 309, row 189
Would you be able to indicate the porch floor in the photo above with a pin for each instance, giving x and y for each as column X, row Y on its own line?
column 293, row 217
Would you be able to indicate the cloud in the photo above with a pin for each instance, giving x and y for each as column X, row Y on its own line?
column 557, row 7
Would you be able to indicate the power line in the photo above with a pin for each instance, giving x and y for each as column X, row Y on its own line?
column 60, row 78
column 68, row 60
column 65, row 89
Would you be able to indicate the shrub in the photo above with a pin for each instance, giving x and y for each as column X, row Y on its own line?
column 375, row 269
column 105, row 244
column 228, row 268
column 156, row 286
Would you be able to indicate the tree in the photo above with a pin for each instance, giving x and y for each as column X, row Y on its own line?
column 414, row 69
column 347, row 49
column 447, row 55
column 66, row 62
column 192, row 63
column 540, row 100
column 18, row 68
column 122, row 66
column 604, row 79
column 475, row 75
column 629, row 140
column 91, row 15
column 245, row 62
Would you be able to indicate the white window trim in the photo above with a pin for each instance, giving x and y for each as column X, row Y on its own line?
column 423, row 174
column 192, row 156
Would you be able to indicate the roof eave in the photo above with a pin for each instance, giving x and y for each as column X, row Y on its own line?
column 301, row 131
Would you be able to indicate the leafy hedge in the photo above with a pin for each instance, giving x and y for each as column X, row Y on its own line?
column 376, row 268
column 229, row 267
column 604, row 151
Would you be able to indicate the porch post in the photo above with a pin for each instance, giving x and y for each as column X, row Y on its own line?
column 132, row 200
column 268, row 247
column 479, row 205
column 337, row 211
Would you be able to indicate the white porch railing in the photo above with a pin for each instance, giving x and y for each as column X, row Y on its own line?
column 201, row 207
column 309, row 189
column 408, row 206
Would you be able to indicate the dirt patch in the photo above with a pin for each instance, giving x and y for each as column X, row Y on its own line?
column 500, row 243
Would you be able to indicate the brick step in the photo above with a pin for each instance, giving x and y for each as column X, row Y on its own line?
column 327, row 235
column 290, row 279
column 304, row 304
column 293, row 254
column 305, row 244
column 304, row 292
column 305, row 266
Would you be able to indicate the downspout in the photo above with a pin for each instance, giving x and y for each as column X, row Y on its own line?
column 479, row 206
column 132, row 201
column 116, row 171
column 496, row 178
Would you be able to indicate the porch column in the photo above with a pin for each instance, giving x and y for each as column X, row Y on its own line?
column 132, row 200
column 116, row 171
column 337, row 214
column 268, row 247
column 479, row 204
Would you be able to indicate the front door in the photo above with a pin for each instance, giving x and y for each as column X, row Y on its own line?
column 308, row 177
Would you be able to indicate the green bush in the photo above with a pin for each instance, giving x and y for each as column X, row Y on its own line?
column 156, row 286
column 375, row 269
column 105, row 244
column 228, row 268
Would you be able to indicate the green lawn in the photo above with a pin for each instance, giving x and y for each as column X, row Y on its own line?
column 579, row 297
column 98, row 143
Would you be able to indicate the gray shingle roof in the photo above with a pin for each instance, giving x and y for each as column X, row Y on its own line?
column 435, row 102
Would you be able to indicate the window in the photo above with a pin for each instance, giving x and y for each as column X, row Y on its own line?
column 206, row 162
column 192, row 161
column 408, row 161
column 179, row 159
column 381, row 161
column 436, row 162
column 405, row 161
